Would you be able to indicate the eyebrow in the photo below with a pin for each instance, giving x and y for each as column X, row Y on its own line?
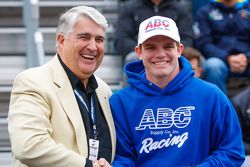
column 88, row 34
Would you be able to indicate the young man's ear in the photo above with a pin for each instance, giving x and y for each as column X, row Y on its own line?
column 180, row 48
column 138, row 52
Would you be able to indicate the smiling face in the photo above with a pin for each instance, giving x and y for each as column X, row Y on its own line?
column 83, row 49
column 160, row 57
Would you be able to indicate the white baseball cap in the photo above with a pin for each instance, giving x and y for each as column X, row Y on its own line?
column 158, row 25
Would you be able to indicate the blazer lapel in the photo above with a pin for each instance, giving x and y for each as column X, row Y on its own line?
column 69, row 104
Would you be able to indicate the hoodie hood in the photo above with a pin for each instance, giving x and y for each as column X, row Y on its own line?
column 240, row 4
column 137, row 78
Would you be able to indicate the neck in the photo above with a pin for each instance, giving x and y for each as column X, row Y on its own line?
column 161, row 83
column 85, row 82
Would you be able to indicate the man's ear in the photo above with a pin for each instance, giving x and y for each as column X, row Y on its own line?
column 60, row 39
column 180, row 48
column 138, row 52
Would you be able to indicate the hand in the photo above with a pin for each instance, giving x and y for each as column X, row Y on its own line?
column 238, row 63
column 104, row 163
column 100, row 163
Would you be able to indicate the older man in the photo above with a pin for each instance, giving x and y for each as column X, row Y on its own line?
column 59, row 113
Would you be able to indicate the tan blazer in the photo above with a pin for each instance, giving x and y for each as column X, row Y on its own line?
column 45, row 125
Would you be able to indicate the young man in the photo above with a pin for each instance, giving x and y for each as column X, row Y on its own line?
column 168, row 117
column 133, row 12
column 59, row 113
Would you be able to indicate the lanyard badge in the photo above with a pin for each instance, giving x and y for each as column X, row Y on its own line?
column 93, row 149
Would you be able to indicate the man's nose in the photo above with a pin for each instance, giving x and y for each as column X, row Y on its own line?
column 92, row 45
column 161, row 53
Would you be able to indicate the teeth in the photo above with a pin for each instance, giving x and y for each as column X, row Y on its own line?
column 88, row 56
column 161, row 63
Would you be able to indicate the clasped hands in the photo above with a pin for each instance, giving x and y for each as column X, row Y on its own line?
column 100, row 163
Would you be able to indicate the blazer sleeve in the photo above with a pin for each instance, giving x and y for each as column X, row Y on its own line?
column 30, row 128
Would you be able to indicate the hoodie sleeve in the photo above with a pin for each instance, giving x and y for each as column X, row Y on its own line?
column 204, row 36
column 125, row 155
column 225, row 127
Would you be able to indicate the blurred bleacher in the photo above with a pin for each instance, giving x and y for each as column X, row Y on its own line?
column 13, row 49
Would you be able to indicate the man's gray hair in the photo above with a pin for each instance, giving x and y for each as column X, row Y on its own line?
column 68, row 20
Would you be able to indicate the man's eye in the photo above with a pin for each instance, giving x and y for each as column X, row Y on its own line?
column 149, row 48
column 82, row 37
column 100, row 40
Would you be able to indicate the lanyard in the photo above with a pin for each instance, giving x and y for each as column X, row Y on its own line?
column 91, row 112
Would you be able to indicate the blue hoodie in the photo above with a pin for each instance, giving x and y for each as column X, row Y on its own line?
column 189, row 122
